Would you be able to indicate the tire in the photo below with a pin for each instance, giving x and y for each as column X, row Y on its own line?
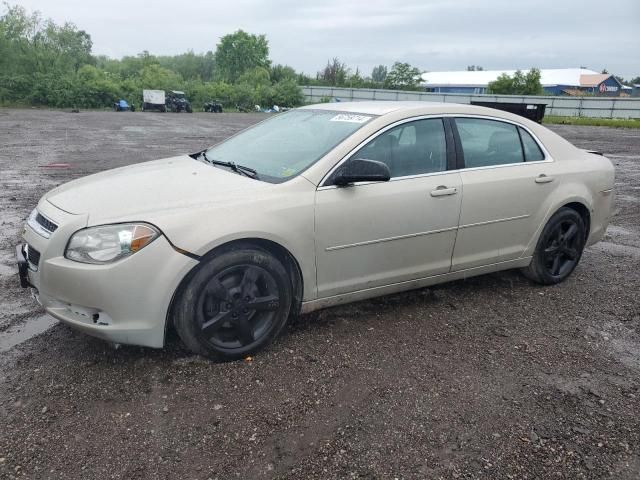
column 559, row 248
column 234, row 304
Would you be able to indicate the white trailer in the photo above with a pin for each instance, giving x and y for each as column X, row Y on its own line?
column 153, row 100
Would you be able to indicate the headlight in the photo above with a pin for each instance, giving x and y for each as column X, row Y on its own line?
column 109, row 243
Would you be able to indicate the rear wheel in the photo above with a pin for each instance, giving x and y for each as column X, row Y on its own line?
column 559, row 248
column 234, row 305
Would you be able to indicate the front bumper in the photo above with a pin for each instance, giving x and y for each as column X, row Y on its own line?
column 123, row 302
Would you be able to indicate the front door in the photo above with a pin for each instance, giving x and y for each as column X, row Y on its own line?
column 375, row 234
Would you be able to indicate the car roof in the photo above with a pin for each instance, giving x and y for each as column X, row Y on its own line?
column 385, row 107
column 381, row 107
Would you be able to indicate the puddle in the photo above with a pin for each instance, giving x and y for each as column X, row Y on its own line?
column 6, row 270
column 617, row 250
column 615, row 230
column 627, row 352
column 627, row 198
column 18, row 334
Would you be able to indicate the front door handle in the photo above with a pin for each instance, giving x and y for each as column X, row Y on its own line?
column 542, row 178
column 443, row 190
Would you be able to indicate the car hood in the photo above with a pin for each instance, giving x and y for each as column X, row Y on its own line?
column 170, row 184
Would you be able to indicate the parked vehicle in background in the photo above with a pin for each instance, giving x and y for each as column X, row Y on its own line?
column 177, row 102
column 319, row 206
column 153, row 100
column 214, row 107
column 123, row 106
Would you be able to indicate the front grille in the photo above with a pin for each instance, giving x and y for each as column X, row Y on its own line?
column 33, row 256
column 46, row 223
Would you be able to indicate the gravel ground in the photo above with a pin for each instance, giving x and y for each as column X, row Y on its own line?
column 492, row 377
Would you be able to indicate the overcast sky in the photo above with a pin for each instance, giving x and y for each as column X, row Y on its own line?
column 430, row 34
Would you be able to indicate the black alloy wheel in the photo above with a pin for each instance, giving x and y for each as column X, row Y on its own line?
column 235, row 304
column 561, row 251
column 559, row 248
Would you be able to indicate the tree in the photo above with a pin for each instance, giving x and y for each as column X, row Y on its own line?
column 94, row 88
column 238, row 52
column 156, row 77
column 282, row 72
column 287, row 93
column 519, row 84
column 474, row 68
column 502, row 85
column 255, row 77
column 532, row 85
column 43, row 63
column 335, row 73
column 635, row 81
column 39, row 59
column 69, row 45
column 379, row 74
column 403, row 77
column 190, row 65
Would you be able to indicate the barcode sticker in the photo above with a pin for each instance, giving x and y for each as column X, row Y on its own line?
column 347, row 117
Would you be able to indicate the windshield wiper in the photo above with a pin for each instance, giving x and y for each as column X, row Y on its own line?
column 241, row 169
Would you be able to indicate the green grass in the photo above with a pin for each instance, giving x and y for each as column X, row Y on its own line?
column 595, row 122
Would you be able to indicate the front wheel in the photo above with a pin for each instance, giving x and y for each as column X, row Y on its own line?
column 559, row 248
column 235, row 304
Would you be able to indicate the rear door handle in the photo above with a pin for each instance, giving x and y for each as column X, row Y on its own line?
column 542, row 178
column 443, row 190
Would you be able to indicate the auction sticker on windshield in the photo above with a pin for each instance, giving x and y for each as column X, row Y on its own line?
column 347, row 117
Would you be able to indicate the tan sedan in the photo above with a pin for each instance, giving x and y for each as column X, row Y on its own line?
column 319, row 206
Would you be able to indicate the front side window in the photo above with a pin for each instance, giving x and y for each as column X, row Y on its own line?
column 412, row 148
column 285, row 145
column 488, row 142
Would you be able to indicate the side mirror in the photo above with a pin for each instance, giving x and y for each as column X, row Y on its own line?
column 362, row 170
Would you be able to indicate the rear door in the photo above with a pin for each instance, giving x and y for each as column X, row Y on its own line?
column 506, row 176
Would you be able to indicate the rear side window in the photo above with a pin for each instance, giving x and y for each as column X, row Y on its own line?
column 532, row 151
column 489, row 142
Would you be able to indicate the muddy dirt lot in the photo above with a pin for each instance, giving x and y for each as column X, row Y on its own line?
column 492, row 377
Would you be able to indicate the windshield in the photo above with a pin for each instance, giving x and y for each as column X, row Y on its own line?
column 288, row 143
